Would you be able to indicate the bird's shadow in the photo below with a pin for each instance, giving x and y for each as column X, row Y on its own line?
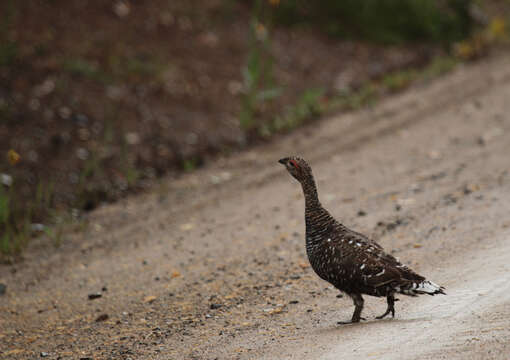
column 370, row 323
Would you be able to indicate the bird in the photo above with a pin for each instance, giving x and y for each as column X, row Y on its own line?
column 350, row 261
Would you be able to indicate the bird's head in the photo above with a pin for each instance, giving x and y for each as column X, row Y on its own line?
column 297, row 167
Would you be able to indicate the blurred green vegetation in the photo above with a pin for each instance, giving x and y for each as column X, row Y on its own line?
column 392, row 21
column 306, row 108
column 8, row 48
column 84, row 68
column 119, row 69
column 389, row 21
column 401, row 79
column 14, row 226
column 313, row 102
column 258, row 83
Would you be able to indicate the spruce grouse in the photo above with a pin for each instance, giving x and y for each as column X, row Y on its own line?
column 350, row 261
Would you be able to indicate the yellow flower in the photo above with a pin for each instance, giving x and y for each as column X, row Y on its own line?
column 497, row 28
column 13, row 157
column 464, row 50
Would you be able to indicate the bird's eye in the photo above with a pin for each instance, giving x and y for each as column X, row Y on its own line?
column 294, row 164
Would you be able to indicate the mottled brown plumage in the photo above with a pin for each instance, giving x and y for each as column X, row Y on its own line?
column 350, row 261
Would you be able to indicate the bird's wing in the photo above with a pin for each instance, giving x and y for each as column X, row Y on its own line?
column 365, row 239
column 367, row 262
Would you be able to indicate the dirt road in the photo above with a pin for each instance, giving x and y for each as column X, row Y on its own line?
column 213, row 266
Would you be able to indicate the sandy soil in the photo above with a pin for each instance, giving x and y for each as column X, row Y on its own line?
column 213, row 266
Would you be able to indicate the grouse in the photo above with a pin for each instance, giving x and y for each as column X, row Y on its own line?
column 348, row 260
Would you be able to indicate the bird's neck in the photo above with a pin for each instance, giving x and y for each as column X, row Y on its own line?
column 315, row 214
column 310, row 193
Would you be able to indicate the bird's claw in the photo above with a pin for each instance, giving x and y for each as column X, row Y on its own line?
column 389, row 310
column 352, row 321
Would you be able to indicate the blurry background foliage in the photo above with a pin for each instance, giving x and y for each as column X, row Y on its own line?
column 388, row 21
column 443, row 22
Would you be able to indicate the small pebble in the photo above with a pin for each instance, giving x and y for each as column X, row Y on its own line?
column 64, row 112
column 83, row 134
column 95, row 296
column 45, row 88
column 102, row 317
column 3, row 289
column 37, row 227
column 215, row 306
column 149, row 299
column 6, row 179
column 132, row 138
column 121, row 9
column 82, row 153
column 44, row 354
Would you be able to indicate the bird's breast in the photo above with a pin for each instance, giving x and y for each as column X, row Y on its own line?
column 325, row 258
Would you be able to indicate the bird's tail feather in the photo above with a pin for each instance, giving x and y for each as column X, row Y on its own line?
column 424, row 287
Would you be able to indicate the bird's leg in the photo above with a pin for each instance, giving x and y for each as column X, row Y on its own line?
column 358, row 303
column 390, row 309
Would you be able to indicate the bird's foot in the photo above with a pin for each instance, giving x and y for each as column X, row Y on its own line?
column 390, row 309
column 352, row 321
column 386, row 314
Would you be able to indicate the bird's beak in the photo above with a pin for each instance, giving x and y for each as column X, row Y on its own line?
column 283, row 161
